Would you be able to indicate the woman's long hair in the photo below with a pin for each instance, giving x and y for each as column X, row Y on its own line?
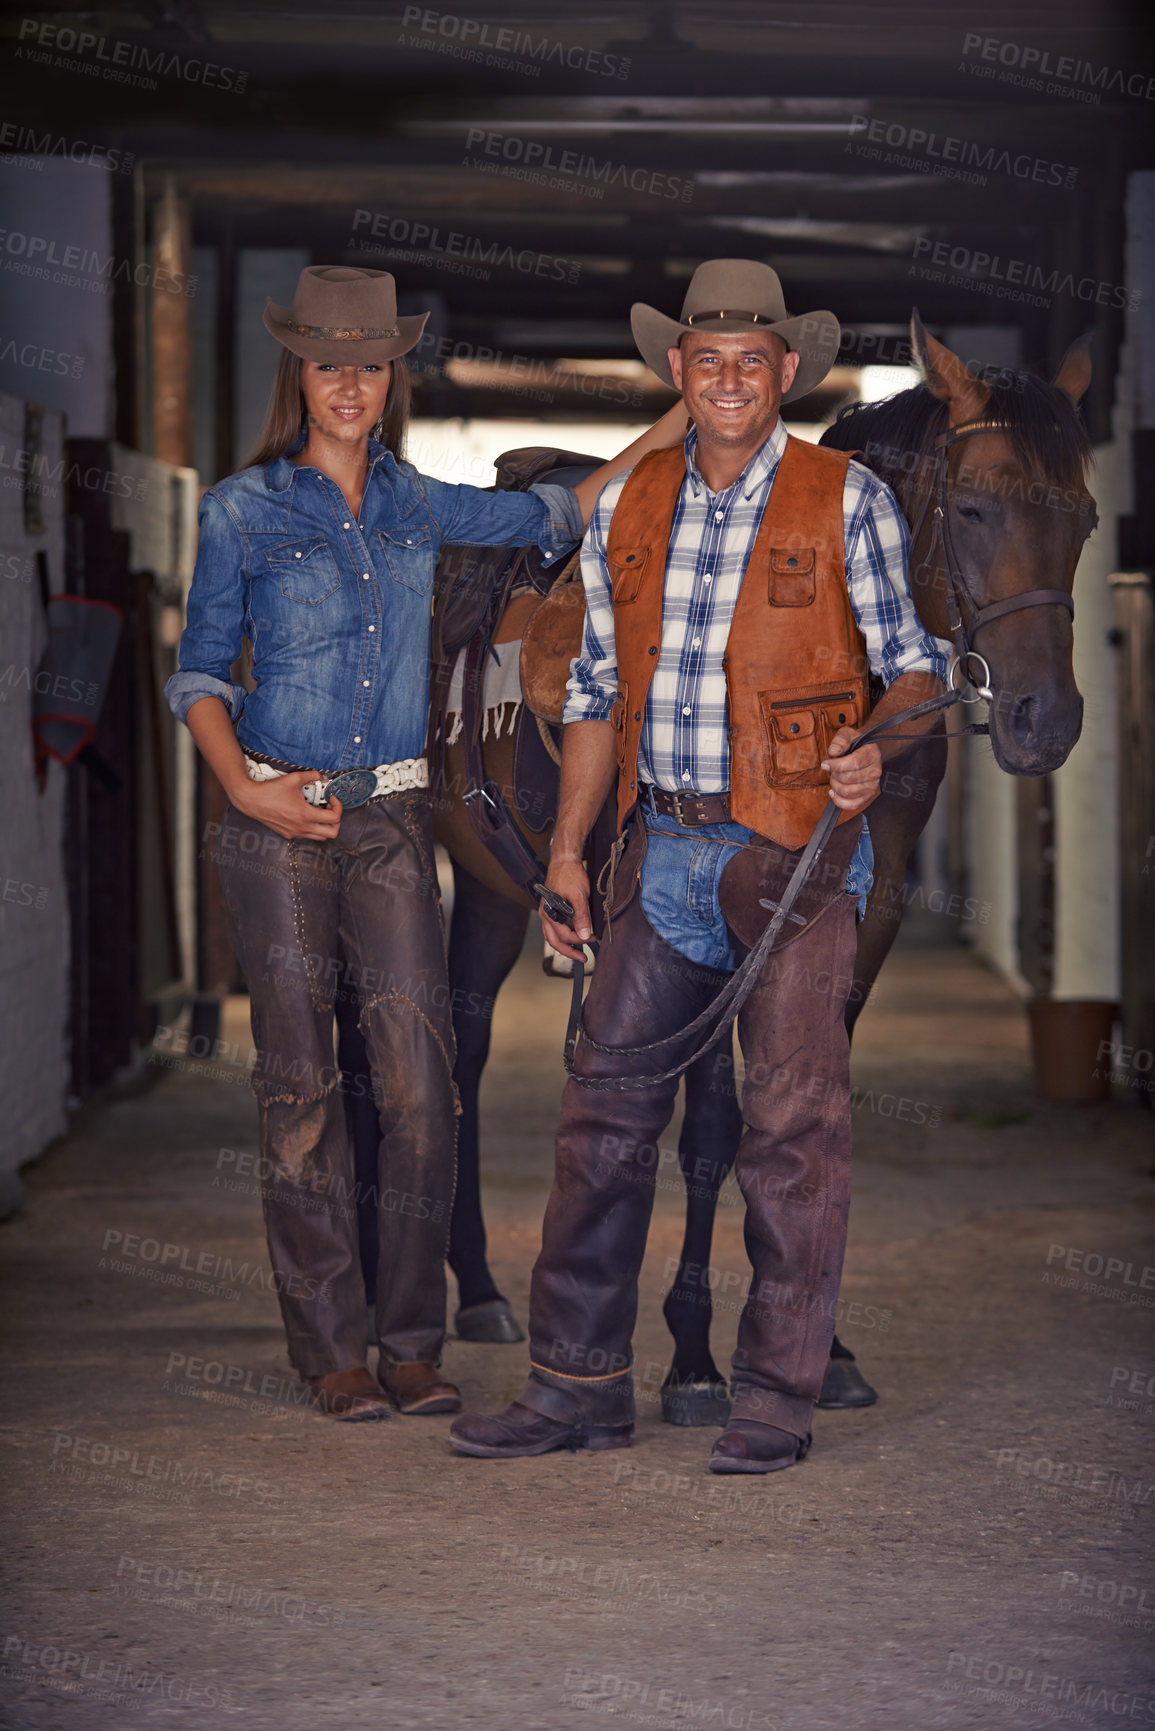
column 285, row 415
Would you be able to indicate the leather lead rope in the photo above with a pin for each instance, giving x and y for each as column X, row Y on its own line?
column 719, row 1015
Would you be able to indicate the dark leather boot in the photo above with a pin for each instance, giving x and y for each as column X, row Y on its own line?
column 521, row 1431
column 746, row 1446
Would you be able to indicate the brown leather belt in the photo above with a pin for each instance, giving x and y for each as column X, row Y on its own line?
column 690, row 809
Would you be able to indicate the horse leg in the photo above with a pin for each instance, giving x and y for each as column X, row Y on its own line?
column 897, row 819
column 694, row 1392
column 486, row 934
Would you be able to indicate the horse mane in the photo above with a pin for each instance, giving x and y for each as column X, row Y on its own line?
column 896, row 436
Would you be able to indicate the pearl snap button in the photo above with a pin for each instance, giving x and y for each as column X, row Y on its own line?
column 296, row 555
column 697, row 643
column 685, row 709
column 344, row 525
column 372, row 628
column 364, row 682
column 365, row 576
column 356, row 739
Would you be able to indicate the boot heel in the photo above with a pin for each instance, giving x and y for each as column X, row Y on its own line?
column 604, row 1436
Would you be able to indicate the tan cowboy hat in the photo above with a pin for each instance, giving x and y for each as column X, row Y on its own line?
column 345, row 316
column 739, row 294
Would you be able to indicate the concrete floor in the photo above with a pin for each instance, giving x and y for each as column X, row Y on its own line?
column 187, row 1546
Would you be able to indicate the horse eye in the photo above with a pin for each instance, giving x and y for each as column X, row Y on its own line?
column 970, row 513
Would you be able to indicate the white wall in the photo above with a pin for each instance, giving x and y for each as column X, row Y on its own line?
column 34, row 922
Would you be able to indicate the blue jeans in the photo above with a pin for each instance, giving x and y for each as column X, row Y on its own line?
column 680, row 876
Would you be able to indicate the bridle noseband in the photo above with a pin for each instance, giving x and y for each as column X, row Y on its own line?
column 957, row 593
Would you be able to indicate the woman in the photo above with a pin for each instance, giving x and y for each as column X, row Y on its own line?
column 322, row 555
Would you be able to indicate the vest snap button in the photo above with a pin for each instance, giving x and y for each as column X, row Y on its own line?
column 637, row 715
column 653, row 649
column 842, row 717
column 630, row 557
column 791, row 561
column 794, row 727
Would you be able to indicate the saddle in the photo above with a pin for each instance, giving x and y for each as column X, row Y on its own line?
column 483, row 597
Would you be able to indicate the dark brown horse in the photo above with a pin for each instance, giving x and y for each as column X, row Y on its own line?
column 1017, row 514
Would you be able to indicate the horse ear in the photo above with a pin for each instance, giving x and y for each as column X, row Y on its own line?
column 945, row 376
column 1074, row 374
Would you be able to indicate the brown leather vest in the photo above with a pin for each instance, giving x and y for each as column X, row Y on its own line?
column 796, row 667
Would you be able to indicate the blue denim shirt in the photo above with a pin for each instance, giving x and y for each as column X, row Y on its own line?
column 337, row 608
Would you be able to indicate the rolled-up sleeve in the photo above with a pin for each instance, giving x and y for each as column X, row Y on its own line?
column 546, row 516
column 593, row 682
column 214, row 630
column 877, row 548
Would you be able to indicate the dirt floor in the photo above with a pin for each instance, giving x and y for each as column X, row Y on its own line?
column 187, row 1545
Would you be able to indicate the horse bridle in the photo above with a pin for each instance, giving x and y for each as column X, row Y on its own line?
column 720, row 1014
column 957, row 594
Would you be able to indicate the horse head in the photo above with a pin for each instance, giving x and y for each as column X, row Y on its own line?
column 1007, row 520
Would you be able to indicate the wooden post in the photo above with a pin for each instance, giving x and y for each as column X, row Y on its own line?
column 171, row 329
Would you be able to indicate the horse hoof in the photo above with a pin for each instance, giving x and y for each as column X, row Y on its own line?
column 696, row 1403
column 845, row 1386
column 492, row 1322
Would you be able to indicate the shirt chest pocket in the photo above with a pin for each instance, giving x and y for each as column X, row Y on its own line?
column 409, row 557
column 306, row 570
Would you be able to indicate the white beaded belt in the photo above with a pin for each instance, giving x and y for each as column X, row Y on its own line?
column 355, row 786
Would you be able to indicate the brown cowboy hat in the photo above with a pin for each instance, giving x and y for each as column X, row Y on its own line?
column 739, row 294
column 345, row 316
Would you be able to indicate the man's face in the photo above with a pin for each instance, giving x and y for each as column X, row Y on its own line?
column 732, row 385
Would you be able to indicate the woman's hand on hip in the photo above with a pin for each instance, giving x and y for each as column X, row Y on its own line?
column 281, row 806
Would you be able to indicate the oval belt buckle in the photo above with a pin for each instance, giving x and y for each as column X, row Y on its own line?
column 355, row 787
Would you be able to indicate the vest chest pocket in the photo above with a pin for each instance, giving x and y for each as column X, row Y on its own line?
column 797, row 729
column 306, row 570
column 626, row 566
column 791, row 578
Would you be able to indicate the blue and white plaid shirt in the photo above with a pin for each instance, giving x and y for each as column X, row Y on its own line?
column 685, row 742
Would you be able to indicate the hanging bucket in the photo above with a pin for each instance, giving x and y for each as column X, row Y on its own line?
column 1069, row 1040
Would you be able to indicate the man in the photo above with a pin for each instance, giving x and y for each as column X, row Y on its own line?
column 737, row 593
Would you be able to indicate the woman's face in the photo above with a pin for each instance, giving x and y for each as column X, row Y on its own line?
column 344, row 403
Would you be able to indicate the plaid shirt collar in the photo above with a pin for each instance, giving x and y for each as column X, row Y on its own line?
column 759, row 471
